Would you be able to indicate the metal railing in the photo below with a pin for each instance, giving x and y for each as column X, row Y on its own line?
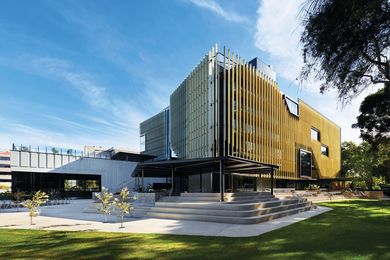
column 61, row 151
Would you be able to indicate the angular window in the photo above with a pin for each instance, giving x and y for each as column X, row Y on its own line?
column 305, row 163
column 325, row 150
column 293, row 106
column 315, row 134
column 142, row 143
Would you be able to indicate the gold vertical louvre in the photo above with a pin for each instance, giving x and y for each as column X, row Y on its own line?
column 261, row 128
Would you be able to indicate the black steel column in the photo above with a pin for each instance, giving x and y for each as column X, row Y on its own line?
column 200, row 182
column 31, row 182
column 172, row 171
column 272, row 181
column 221, row 186
column 143, row 188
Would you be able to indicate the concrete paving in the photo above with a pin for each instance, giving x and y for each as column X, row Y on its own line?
column 70, row 217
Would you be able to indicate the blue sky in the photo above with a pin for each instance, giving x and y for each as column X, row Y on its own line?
column 76, row 73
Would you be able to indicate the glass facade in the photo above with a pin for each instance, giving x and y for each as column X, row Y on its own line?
column 154, row 136
column 81, row 185
column 142, row 143
column 305, row 163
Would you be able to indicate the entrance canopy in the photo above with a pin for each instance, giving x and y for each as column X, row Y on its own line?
column 223, row 164
column 196, row 166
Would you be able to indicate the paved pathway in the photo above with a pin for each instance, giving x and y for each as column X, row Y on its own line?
column 70, row 218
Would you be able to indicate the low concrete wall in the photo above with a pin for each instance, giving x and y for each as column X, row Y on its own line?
column 148, row 197
column 377, row 194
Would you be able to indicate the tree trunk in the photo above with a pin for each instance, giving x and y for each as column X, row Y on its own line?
column 105, row 218
column 31, row 220
column 122, row 221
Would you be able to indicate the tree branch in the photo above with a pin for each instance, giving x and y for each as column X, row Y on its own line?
column 375, row 81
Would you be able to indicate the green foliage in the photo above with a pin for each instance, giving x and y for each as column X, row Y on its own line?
column 346, row 43
column 5, row 196
column 25, row 149
column 313, row 187
column 377, row 181
column 122, row 204
column 374, row 119
column 106, row 204
column 33, row 204
column 54, row 150
column 363, row 164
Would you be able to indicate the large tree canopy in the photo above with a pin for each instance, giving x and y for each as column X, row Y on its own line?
column 346, row 44
column 374, row 118
column 359, row 162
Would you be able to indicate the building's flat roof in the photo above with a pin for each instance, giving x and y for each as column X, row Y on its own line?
column 130, row 156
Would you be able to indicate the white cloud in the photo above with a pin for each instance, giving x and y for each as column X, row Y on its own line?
column 115, row 121
column 213, row 6
column 278, row 33
column 116, row 117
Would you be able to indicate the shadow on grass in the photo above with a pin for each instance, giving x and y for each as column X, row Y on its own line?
column 352, row 230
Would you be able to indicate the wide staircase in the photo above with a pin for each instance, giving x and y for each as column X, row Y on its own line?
column 238, row 208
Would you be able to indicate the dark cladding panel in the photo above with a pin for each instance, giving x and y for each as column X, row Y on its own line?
column 154, row 135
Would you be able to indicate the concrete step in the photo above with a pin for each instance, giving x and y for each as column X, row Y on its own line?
column 188, row 198
column 229, row 206
column 227, row 194
column 211, row 199
column 230, row 197
column 140, row 211
column 247, row 194
column 230, row 213
column 230, row 219
column 250, row 200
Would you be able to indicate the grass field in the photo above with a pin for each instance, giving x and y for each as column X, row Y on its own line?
column 357, row 229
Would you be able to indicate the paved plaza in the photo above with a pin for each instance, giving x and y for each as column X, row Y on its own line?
column 70, row 217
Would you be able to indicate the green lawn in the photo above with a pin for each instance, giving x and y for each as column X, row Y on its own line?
column 358, row 230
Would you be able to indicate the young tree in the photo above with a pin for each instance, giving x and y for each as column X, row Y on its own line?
column 33, row 204
column 106, row 203
column 122, row 204
column 18, row 197
column 346, row 44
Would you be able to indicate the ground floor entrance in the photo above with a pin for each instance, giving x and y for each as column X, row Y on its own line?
column 215, row 174
column 209, row 182
column 62, row 185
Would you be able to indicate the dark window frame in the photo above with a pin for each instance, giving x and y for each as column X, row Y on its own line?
column 289, row 101
column 326, row 151
column 313, row 129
